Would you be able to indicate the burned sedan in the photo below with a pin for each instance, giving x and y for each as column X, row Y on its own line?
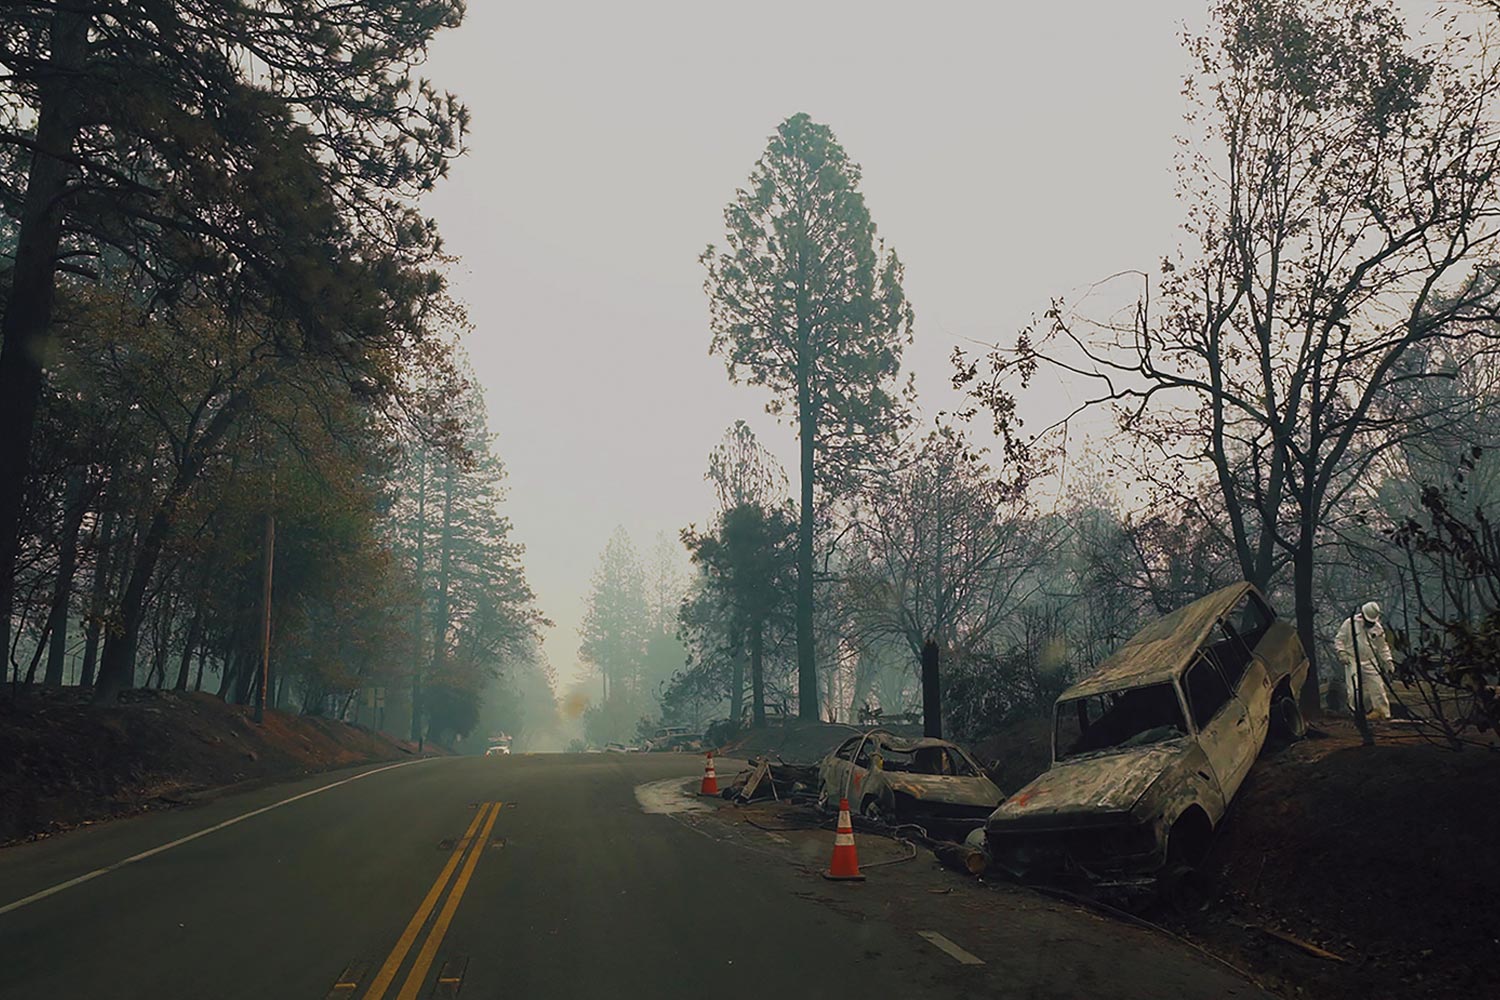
column 1149, row 749
column 892, row 778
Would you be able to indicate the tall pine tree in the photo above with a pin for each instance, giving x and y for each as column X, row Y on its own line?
column 807, row 301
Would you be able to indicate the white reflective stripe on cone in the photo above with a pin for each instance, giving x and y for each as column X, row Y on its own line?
column 843, row 840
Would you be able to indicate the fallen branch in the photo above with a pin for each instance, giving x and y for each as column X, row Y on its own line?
column 1297, row 942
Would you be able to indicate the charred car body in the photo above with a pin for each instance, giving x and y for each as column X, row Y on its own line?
column 891, row 778
column 1149, row 749
column 675, row 739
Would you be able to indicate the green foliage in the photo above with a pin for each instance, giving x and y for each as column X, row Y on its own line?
column 743, row 472
column 748, row 569
column 201, row 126
column 618, row 719
column 616, row 623
column 807, row 301
column 188, row 432
column 747, row 562
column 260, row 161
column 1451, row 646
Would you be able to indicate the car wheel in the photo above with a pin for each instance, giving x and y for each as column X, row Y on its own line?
column 1287, row 720
column 1188, row 840
column 1183, row 890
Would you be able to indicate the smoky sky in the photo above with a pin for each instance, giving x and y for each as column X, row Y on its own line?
column 1011, row 152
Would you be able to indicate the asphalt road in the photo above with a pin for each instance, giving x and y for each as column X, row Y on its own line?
column 524, row 877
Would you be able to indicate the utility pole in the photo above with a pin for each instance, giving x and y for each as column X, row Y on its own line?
column 265, row 620
column 417, row 731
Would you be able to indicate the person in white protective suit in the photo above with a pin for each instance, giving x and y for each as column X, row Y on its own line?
column 1360, row 642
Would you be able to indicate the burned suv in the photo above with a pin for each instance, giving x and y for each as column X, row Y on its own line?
column 1149, row 749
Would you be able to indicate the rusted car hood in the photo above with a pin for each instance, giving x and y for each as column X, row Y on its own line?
column 945, row 788
column 1098, row 787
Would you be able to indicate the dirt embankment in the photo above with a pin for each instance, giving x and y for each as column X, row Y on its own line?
column 1383, row 856
column 793, row 740
column 65, row 762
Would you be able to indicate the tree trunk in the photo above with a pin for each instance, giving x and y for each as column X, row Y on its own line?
column 230, row 667
column 189, row 647
column 757, row 676
column 202, row 656
column 267, row 584
column 416, row 670
column 117, row 667
column 445, row 566
column 1307, row 619
column 807, row 670
column 247, row 677
column 737, row 682
column 160, row 643
column 67, row 563
column 26, row 326
column 932, row 693
column 36, row 656
column 103, row 540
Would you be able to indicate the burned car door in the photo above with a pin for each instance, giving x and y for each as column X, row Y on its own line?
column 1239, row 650
column 1222, row 722
column 1277, row 645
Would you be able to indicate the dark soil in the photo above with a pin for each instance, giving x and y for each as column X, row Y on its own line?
column 65, row 762
column 1383, row 855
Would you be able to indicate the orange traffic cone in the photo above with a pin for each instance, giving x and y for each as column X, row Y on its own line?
column 710, row 781
column 845, row 864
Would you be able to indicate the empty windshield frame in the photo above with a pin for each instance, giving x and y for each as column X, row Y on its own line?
column 1118, row 720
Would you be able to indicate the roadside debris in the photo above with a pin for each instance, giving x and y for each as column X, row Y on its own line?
column 1149, row 749
column 768, row 779
column 675, row 739
column 1296, row 942
column 961, row 857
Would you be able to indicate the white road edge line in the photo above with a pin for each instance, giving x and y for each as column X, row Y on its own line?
column 953, row 950
column 70, row 883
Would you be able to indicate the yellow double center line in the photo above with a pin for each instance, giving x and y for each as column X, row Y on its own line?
column 466, row 854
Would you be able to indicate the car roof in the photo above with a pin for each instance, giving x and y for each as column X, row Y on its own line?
column 1164, row 648
column 902, row 744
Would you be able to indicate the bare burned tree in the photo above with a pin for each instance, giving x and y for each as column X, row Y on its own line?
column 1452, row 647
column 945, row 549
column 1342, row 213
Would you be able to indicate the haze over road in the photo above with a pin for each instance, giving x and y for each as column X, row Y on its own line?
column 521, row 877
